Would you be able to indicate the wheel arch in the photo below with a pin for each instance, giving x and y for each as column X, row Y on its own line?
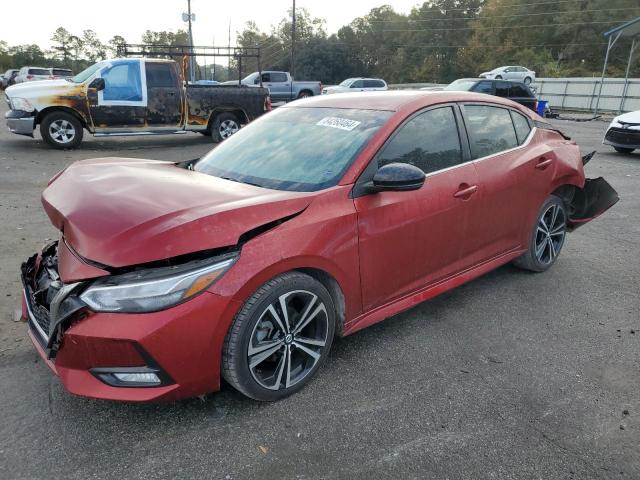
column 237, row 111
column 337, row 295
column 46, row 111
column 305, row 90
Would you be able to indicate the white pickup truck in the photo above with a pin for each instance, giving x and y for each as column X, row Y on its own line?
column 282, row 87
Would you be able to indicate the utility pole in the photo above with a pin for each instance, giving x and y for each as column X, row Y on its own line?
column 189, row 17
column 229, row 51
column 293, row 39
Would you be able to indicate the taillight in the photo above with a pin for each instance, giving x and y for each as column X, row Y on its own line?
column 29, row 77
column 51, row 77
column 535, row 106
column 267, row 104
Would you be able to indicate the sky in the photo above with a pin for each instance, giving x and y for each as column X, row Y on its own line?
column 130, row 18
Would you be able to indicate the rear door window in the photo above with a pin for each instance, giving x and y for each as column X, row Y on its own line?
column 483, row 87
column 490, row 130
column 502, row 89
column 357, row 84
column 522, row 126
column 429, row 141
column 278, row 77
column 160, row 75
column 519, row 91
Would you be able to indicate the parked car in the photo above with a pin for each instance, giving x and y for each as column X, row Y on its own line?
column 319, row 219
column 31, row 74
column 282, row 88
column 516, row 91
column 110, row 98
column 55, row 73
column 8, row 78
column 623, row 133
column 357, row 85
column 516, row 73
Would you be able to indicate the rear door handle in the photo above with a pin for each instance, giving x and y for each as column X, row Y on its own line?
column 544, row 163
column 465, row 191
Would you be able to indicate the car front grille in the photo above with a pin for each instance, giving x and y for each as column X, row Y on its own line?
column 623, row 136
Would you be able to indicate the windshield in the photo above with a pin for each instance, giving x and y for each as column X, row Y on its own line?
column 294, row 149
column 250, row 78
column 347, row 82
column 461, row 85
column 83, row 75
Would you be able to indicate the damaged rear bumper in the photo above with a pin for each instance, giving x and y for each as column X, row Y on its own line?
column 591, row 201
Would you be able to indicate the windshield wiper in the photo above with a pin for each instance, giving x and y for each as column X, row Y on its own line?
column 242, row 181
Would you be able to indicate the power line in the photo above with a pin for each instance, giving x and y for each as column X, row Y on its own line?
column 479, row 17
column 509, row 45
column 543, row 25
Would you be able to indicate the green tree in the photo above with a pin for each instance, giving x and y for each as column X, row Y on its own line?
column 63, row 41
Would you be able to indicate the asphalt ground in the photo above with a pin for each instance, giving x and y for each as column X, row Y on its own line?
column 512, row 376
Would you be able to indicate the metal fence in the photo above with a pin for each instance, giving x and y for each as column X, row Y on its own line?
column 581, row 94
column 576, row 93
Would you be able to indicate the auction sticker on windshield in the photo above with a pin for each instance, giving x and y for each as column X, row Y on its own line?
column 337, row 122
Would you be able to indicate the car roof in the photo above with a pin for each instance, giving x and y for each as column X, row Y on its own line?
column 395, row 100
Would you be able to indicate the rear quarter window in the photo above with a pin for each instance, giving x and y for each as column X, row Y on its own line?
column 522, row 126
column 38, row 71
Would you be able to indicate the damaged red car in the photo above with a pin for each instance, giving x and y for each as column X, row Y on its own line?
column 319, row 219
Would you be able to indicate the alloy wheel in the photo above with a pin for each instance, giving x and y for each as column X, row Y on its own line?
column 228, row 128
column 62, row 131
column 288, row 340
column 550, row 234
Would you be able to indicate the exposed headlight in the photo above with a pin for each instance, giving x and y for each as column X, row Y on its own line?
column 615, row 123
column 23, row 104
column 154, row 289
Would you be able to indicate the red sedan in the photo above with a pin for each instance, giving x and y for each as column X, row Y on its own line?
column 320, row 219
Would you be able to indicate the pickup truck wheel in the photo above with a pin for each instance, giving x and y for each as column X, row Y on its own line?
column 224, row 125
column 305, row 94
column 61, row 130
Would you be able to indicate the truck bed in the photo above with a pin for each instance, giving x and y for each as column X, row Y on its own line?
column 203, row 100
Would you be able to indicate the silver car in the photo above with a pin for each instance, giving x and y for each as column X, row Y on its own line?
column 357, row 85
column 513, row 72
column 30, row 74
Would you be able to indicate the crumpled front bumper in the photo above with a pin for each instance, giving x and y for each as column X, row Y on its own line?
column 20, row 123
column 81, row 347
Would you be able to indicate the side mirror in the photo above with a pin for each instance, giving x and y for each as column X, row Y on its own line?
column 97, row 83
column 397, row 177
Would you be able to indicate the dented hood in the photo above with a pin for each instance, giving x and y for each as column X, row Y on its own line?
column 124, row 211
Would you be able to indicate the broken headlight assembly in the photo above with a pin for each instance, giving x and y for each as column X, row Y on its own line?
column 21, row 104
column 154, row 289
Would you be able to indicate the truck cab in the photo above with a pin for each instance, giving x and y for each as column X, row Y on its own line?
column 128, row 96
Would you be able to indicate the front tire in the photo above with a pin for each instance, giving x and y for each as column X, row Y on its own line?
column 623, row 149
column 547, row 237
column 498, row 77
column 224, row 125
column 279, row 338
column 61, row 130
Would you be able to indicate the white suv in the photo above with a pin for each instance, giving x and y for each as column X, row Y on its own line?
column 357, row 85
column 30, row 74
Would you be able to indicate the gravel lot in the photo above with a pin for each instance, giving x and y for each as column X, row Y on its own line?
column 514, row 375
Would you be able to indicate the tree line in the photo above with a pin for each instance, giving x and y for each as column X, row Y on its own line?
column 438, row 41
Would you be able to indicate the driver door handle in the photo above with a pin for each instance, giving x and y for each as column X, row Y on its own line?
column 465, row 191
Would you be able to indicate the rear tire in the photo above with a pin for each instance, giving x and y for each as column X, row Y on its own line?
column 223, row 126
column 305, row 94
column 61, row 130
column 268, row 355
column 547, row 238
column 527, row 81
column 623, row 149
